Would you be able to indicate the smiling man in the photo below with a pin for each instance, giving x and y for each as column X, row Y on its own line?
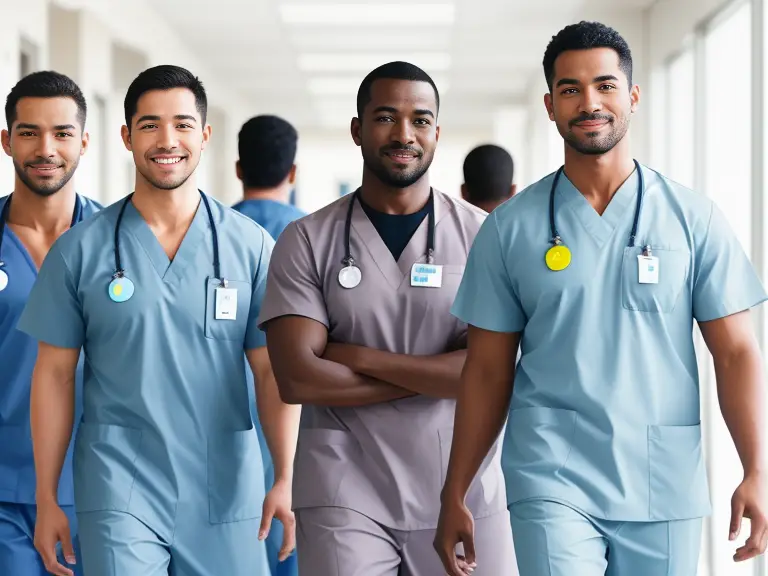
column 162, row 290
column 599, row 271
column 46, row 138
column 357, row 314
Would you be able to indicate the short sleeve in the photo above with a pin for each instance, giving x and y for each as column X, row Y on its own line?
column 293, row 286
column 486, row 298
column 254, row 336
column 724, row 280
column 53, row 313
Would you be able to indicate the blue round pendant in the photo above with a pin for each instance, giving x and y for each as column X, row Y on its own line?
column 120, row 289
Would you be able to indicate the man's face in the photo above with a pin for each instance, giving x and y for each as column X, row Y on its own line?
column 167, row 137
column 591, row 101
column 45, row 142
column 398, row 133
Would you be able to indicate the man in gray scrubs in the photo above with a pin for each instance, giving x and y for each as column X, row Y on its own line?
column 358, row 328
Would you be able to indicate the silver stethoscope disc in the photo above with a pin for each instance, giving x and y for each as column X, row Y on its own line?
column 3, row 280
column 350, row 277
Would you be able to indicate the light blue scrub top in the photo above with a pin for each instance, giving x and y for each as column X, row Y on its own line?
column 166, row 433
column 605, row 411
column 18, row 353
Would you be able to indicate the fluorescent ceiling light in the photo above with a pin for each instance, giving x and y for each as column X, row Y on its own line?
column 341, row 62
column 348, row 85
column 368, row 14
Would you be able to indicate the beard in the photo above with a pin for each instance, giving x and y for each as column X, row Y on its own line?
column 596, row 144
column 170, row 182
column 46, row 187
column 397, row 178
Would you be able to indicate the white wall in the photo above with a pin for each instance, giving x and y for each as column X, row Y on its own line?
column 326, row 159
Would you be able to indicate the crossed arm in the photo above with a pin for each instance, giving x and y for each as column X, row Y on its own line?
column 309, row 370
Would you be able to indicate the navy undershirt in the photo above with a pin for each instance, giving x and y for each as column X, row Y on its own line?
column 395, row 230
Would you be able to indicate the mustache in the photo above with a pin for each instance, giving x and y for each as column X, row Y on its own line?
column 591, row 118
column 40, row 161
column 402, row 148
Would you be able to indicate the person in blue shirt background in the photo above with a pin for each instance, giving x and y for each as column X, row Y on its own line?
column 45, row 138
column 598, row 272
column 267, row 149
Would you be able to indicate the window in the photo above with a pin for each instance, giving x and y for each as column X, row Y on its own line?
column 726, row 169
column 681, row 90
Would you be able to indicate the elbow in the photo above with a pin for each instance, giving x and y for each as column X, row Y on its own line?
column 293, row 392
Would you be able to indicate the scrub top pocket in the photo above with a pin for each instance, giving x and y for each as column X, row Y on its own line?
column 661, row 297
column 227, row 329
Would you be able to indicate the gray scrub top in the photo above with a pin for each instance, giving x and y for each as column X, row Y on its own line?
column 605, row 412
column 388, row 460
column 166, row 425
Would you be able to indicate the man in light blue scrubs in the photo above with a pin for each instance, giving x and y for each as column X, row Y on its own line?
column 267, row 149
column 162, row 291
column 598, row 272
column 45, row 138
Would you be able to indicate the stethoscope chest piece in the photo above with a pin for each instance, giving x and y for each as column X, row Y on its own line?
column 558, row 257
column 3, row 279
column 121, row 288
column 350, row 276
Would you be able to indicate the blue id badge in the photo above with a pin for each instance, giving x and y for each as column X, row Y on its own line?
column 427, row 275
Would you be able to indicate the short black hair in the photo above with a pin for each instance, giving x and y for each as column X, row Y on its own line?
column 165, row 77
column 488, row 173
column 267, row 148
column 45, row 84
column 584, row 36
column 392, row 71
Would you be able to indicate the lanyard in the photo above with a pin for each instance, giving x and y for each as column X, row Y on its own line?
column 349, row 261
column 77, row 216
column 120, row 272
column 557, row 240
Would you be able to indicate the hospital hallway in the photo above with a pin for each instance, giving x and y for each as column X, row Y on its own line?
column 701, row 121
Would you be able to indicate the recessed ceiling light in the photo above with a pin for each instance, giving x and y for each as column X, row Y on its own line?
column 364, row 63
column 368, row 14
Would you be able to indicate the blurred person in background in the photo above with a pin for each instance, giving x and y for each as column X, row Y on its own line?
column 488, row 174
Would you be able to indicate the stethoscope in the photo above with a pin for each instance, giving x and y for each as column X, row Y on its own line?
column 121, row 288
column 77, row 215
column 350, row 275
column 558, row 257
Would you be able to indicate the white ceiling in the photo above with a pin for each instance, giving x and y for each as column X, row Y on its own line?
column 481, row 53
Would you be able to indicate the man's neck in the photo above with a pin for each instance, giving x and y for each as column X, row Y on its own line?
column 166, row 209
column 49, row 214
column 598, row 177
column 278, row 194
column 392, row 200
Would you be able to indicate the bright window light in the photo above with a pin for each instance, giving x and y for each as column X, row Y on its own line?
column 345, row 62
column 348, row 85
column 368, row 14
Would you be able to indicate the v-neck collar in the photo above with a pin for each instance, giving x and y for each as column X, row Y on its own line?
column 415, row 251
column 169, row 271
column 601, row 228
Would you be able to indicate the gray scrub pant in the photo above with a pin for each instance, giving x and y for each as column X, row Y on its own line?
column 342, row 542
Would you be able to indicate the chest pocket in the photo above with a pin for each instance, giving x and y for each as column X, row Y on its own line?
column 661, row 297
column 227, row 329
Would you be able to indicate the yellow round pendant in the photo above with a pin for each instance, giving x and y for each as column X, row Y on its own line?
column 558, row 258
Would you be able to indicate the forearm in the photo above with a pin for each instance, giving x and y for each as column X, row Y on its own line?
column 326, row 383
column 52, row 407
column 280, row 422
column 481, row 410
column 437, row 376
column 741, row 396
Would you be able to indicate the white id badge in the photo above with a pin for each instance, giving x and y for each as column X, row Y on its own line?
column 648, row 269
column 226, row 304
column 427, row 275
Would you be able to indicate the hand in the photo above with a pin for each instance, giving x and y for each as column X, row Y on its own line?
column 277, row 504
column 749, row 501
column 52, row 527
column 456, row 525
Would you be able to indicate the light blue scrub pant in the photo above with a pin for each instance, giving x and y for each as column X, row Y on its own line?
column 552, row 539
column 18, row 556
column 118, row 544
